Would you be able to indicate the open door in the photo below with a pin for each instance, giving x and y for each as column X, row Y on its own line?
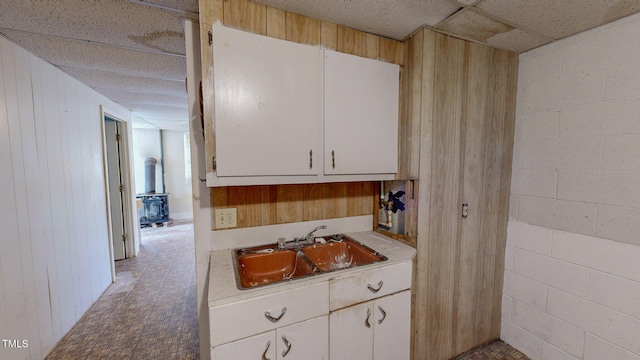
column 115, row 183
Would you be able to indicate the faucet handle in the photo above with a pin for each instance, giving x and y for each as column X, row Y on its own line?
column 281, row 243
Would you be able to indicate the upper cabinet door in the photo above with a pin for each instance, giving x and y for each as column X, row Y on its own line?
column 267, row 105
column 360, row 115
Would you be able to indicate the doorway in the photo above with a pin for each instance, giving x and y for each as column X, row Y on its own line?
column 121, row 211
column 112, row 129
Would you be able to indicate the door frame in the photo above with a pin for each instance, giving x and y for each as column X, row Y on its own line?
column 128, row 202
column 114, row 170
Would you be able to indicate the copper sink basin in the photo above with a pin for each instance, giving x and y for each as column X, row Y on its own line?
column 266, row 264
column 340, row 255
column 260, row 267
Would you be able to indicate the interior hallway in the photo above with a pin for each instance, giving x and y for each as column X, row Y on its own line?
column 150, row 312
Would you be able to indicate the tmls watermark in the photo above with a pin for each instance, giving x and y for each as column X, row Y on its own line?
column 15, row 344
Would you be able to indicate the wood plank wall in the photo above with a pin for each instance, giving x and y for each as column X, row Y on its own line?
column 462, row 95
column 277, row 204
column 280, row 204
column 55, row 250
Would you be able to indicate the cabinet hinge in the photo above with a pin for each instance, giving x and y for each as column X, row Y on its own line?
column 214, row 164
column 120, row 188
column 117, row 137
column 124, row 237
column 210, row 38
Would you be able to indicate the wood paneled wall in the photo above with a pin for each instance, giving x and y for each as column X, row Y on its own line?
column 461, row 96
column 456, row 134
column 266, row 205
column 54, row 259
column 280, row 204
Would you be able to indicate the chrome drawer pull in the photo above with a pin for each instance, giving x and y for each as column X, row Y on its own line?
column 275, row 319
column 374, row 290
column 264, row 354
column 384, row 314
column 287, row 344
column 366, row 322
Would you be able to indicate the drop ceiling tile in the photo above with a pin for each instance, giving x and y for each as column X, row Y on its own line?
column 172, row 125
column 117, row 22
column 393, row 19
column 140, row 123
column 87, row 55
column 184, row 5
column 164, row 112
column 558, row 19
column 471, row 25
column 107, row 80
column 133, row 98
column 517, row 41
column 465, row 2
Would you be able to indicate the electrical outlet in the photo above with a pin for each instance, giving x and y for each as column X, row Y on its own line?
column 225, row 218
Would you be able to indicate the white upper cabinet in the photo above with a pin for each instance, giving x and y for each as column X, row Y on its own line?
column 360, row 115
column 291, row 113
column 267, row 105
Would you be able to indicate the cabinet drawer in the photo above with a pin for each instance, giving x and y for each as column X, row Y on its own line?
column 359, row 287
column 247, row 317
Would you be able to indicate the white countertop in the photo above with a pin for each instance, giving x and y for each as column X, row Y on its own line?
column 222, row 279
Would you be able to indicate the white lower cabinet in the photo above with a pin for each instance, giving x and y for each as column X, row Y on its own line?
column 349, row 337
column 379, row 329
column 392, row 327
column 352, row 315
column 257, row 347
column 306, row 340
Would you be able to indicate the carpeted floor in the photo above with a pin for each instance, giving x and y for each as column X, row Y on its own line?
column 150, row 312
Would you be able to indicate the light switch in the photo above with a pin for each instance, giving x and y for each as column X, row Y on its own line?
column 225, row 218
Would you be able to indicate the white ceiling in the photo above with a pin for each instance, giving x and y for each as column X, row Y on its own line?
column 132, row 51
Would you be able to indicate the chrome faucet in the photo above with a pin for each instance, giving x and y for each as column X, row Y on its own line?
column 297, row 241
column 305, row 239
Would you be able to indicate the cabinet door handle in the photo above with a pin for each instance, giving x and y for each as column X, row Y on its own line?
column 384, row 314
column 366, row 322
column 287, row 344
column 310, row 159
column 264, row 354
column 375, row 290
column 275, row 319
column 333, row 159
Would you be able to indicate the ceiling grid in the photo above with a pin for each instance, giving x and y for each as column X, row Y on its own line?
column 133, row 51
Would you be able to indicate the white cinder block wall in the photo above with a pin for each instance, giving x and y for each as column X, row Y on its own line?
column 572, row 270
column 54, row 244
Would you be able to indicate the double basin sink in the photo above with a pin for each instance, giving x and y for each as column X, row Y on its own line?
column 268, row 264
